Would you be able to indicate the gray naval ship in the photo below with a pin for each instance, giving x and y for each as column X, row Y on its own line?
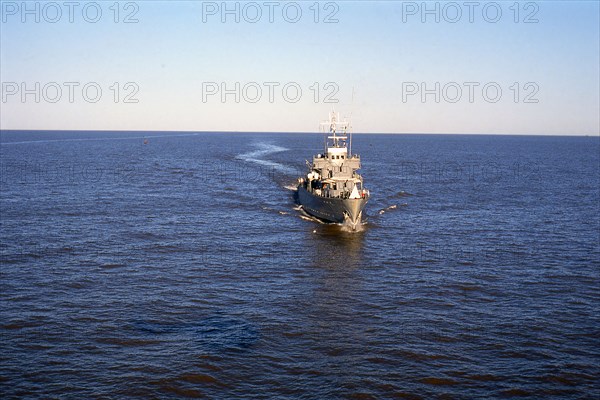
column 332, row 190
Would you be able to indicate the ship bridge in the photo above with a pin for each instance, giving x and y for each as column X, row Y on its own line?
column 337, row 162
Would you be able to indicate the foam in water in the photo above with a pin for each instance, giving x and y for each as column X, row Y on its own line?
column 392, row 207
column 264, row 149
column 306, row 216
column 347, row 226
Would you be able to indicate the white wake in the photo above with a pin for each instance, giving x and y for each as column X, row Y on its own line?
column 258, row 157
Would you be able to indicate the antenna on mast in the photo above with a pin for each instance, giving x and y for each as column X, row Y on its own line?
column 351, row 126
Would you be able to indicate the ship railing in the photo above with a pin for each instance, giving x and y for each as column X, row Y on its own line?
column 329, row 195
column 364, row 193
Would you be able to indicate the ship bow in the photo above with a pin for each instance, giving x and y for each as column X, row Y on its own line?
column 353, row 209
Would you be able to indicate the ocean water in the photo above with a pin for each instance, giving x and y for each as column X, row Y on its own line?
column 183, row 268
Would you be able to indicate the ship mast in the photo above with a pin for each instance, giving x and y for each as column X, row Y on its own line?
column 333, row 140
column 351, row 127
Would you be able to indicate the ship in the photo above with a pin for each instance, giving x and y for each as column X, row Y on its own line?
column 332, row 190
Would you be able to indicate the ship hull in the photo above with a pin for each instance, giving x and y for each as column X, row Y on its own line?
column 332, row 209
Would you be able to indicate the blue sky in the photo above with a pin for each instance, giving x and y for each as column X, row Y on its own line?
column 379, row 51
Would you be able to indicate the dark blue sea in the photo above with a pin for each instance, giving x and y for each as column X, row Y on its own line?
column 181, row 268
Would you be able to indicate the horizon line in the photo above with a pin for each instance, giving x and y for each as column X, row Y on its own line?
column 303, row 132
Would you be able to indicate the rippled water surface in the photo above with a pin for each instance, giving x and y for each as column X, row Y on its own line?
column 182, row 268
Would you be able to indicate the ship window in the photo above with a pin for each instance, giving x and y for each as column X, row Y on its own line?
column 342, row 157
